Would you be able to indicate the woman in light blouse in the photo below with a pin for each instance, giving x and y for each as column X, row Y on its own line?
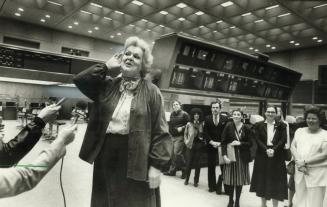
column 309, row 148
column 269, row 178
column 127, row 135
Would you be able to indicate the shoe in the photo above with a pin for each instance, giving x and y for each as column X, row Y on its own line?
column 230, row 204
column 186, row 182
column 211, row 190
column 218, row 192
column 196, row 185
column 170, row 173
column 237, row 204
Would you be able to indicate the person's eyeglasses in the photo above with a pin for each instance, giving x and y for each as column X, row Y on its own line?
column 270, row 112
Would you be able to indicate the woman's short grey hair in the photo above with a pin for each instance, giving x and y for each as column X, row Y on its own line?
column 147, row 56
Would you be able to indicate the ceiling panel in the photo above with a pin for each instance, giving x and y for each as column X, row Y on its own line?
column 244, row 24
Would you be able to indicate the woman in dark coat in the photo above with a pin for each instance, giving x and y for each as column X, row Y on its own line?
column 269, row 178
column 236, row 174
column 127, row 135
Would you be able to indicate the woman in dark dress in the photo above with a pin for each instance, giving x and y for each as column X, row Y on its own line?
column 236, row 174
column 269, row 178
column 193, row 139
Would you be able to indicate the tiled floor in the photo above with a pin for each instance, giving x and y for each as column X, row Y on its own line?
column 77, row 183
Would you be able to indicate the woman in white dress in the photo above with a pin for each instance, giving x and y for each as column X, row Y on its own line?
column 309, row 149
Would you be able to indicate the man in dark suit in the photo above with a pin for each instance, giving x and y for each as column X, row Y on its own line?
column 213, row 127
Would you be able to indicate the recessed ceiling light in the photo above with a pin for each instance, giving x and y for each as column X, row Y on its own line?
column 268, row 45
column 181, row 19
column 181, row 5
column 90, row 31
column 220, row 21
column 319, row 40
column 271, row 7
column 118, row 12
column 314, row 38
column 283, row 15
column 96, row 28
column 292, row 42
column 70, row 26
column 47, row 16
column 86, row 12
column 96, row 5
column 144, row 20
column 258, row 21
column 246, row 14
column 118, row 34
column 199, row 13
column 321, row 5
column 232, row 27
column 251, row 48
column 227, row 3
column 17, row 14
column 54, row 3
column 201, row 26
column 164, row 12
column 107, row 18
column 138, row 3
column 20, row 9
column 161, row 25
column 256, row 50
column 297, row 44
column 112, row 36
column 76, row 23
column 42, row 20
column 273, row 48
column 215, row 31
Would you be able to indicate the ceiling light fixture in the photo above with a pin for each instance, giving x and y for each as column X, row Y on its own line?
column 319, row 40
column 149, row 30
column 118, row 34
column 161, row 25
column 118, row 12
column 201, row 26
column 96, row 5
column 138, row 3
column 220, row 21
column 76, row 23
column 86, row 12
column 246, row 14
column 20, row 9
column 258, row 21
column 271, row 7
column 42, row 20
column 47, row 16
column 199, row 13
column 232, row 27
column 107, row 18
column 96, row 28
column 314, row 38
column 321, row 5
column 17, row 14
column 268, row 45
column 292, row 42
column 297, row 44
column 251, row 48
column 90, row 31
column 55, row 3
column 256, row 50
column 144, row 20
column 283, row 15
column 164, row 12
column 227, row 3
column 215, row 31
column 132, row 25
column 70, row 26
column 112, row 36
column 181, row 19
column 273, row 48
column 181, row 5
